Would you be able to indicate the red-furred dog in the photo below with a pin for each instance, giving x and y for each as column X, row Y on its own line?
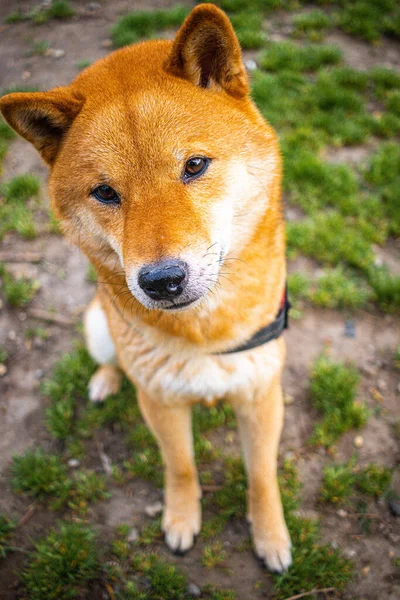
column 166, row 175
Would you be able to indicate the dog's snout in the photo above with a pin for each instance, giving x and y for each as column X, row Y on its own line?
column 163, row 280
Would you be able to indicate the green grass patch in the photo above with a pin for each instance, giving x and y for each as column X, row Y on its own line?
column 214, row 555
column 83, row 64
column 18, row 292
column 15, row 214
column 331, row 238
column 282, row 56
column 144, row 23
column 62, row 564
column 164, row 580
column 312, row 25
column 58, row 9
column 374, row 480
column 336, row 289
column 342, row 481
column 7, row 527
column 249, row 29
column 45, row 477
column 386, row 288
column 370, row 20
column 337, row 483
column 383, row 173
column 39, row 475
column 333, row 390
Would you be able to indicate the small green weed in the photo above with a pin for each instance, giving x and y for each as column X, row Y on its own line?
column 140, row 24
column 67, row 385
column 3, row 355
column 396, row 357
column 337, row 483
column 18, row 292
column 312, row 25
column 343, row 480
column 386, row 288
column 370, row 20
column 39, row 475
column 39, row 48
column 248, row 28
column 14, row 214
column 282, row 56
column 83, row 64
column 333, row 393
column 7, row 527
column 336, row 289
column 374, row 480
column 21, row 188
column 164, row 579
column 214, row 555
column 62, row 564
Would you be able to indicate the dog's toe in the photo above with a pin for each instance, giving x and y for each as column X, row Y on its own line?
column 181, row 531
column 276, row 556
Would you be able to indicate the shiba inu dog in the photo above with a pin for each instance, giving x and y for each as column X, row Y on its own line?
column 167, row 177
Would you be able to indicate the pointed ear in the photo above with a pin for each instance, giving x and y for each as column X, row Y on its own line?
column 206, row 51
column 43, row 118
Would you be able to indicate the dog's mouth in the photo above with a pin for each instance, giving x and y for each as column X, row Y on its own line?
column 180, row 305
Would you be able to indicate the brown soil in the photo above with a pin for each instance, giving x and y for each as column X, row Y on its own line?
column 64, row 288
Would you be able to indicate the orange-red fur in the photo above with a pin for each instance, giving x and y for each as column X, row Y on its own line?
column 130, row 121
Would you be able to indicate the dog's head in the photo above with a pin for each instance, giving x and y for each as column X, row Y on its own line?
column 157, row 154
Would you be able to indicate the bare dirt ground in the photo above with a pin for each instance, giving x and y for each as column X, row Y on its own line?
column 62, row 273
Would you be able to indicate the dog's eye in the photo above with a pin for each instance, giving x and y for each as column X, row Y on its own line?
column 106, row 194
column 195, row 167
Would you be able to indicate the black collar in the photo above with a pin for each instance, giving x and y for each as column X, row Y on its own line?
column 268, row 333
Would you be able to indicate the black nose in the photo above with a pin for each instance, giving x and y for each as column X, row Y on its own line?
column 163, row 280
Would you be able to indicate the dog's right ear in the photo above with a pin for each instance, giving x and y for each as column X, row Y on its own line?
column 206, row 52
column 43, row 118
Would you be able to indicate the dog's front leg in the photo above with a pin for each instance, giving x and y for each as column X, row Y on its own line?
column 260, row 424
column 172, row 427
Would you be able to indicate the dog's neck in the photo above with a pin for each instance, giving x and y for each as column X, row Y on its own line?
column 240, row 305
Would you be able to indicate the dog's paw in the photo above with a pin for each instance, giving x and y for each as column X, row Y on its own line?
column 105, row 382
column 274, row 554
column 181, row 529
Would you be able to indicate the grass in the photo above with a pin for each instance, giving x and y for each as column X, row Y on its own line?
column 139, row 24
column 333, row 388
column 62, row 563
column 15, row 214
column 336, row 289
column 287, row 56
column 214, row 555
column 342, row 481
column 83, row 64
column 6, row 136
column 39, row 475
column 39, row 48
column 45, row 477
column 3, row 355
column 17, row 291
column 58, row 9
column 312, row 25
column 337, row 483
column 7, row 527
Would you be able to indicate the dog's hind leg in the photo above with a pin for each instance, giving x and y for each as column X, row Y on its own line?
column 260, row 424
column 107, row 378
column 172, row 427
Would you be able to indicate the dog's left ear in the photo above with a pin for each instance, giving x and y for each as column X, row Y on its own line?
column 206, row 51
column 42, row 118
